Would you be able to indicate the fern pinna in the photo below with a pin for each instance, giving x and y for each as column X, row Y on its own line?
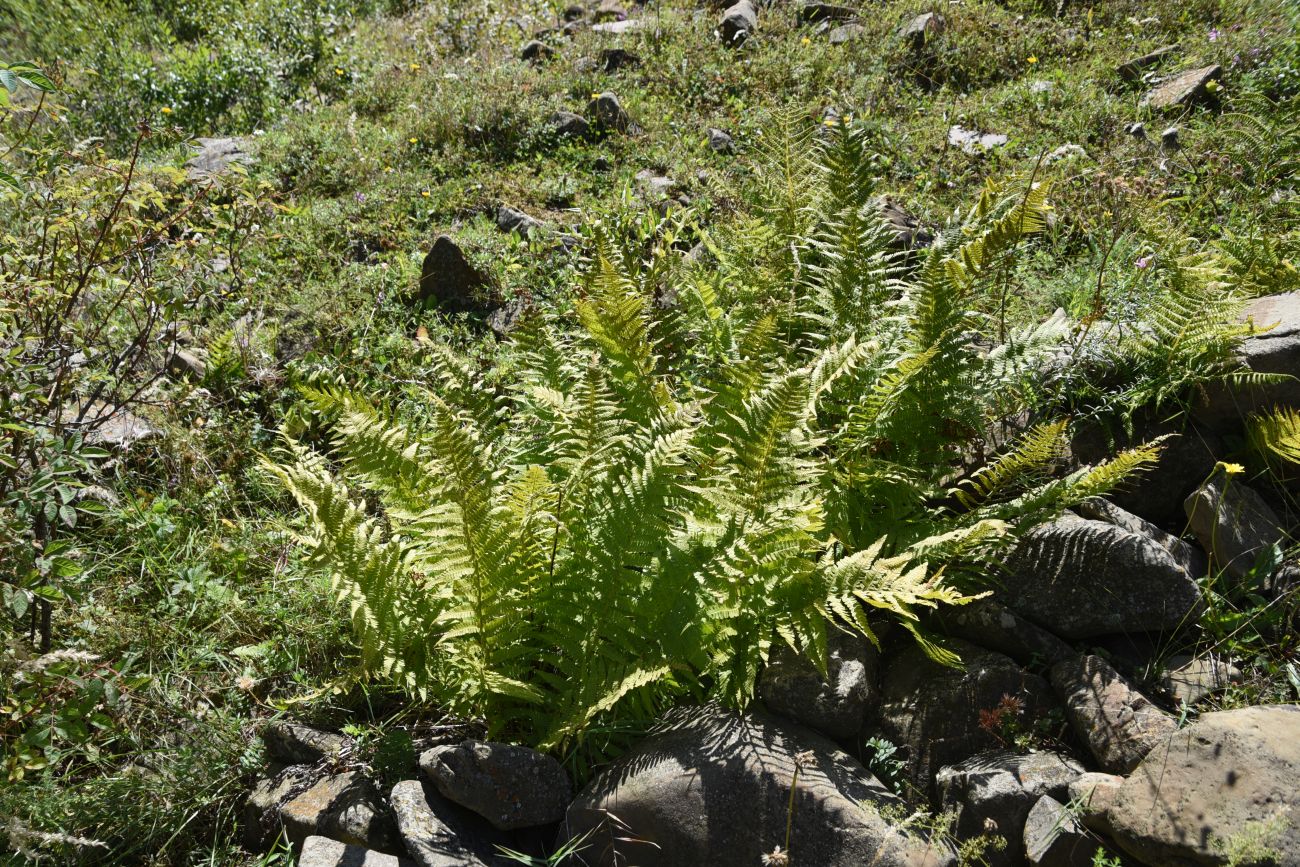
column 618, row 526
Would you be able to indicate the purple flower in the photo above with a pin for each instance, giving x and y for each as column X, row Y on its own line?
column 1143, row 263
column 361, row 198
column 1214, row 34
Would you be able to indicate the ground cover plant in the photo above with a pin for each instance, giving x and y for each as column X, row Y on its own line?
column 735, row 411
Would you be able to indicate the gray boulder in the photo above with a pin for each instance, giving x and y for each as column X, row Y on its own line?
column 300, row 745
column 514, row 220
column 324, row 852
column 1208, row 788
column 720, row 141
column 834, row 705
column 1053, row 837
column 992, row 625
column 1273, row 347
column 1081, row 578
column 1185, row 555
column 536, row 51
column 935, row 711
column 614, row 59
column 906, row 232
column 1118, row 723
column 437, row 833
column 510, row 786
column 1233, row 523
column 1190, row 679
column 921, row 29
column 1093, row 794
column 845, row 33
column 713, row 787
column 189, row 364
column 1183, row 89
column 567, row 125
column 738, row 23
column 344, row 807
column 608, row 112
column 994, row 792
column 449, row 279
column 215, row 157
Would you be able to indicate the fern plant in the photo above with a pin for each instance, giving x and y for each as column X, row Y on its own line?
column 615, row 525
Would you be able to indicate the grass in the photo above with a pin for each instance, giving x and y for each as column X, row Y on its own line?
column 378, row 125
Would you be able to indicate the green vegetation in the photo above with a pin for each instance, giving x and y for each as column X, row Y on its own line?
column 728, row 412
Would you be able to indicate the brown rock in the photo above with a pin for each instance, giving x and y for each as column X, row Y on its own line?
column 1118, row 723
column 1183, row 89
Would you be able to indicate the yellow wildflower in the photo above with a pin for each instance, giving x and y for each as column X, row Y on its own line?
column 1232, row 469
column 424, row 193
column 1032, row 58
column 414, row 67
column 805, row 41
column 413, row 140
column 166, row 110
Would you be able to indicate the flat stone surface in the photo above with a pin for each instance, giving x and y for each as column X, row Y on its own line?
column 994, row 792
column 1053, row 837
column 437, row 833
column 1093, row 794
column 1132, row 69
column 1080, row 578
column 344, row 807
column 1189, row 680
column 510, row 786
column 834, row 705
column 990, row 624
column 324, row 852
column 1228, row 774
column 935, row 711
column 298, row 744
column 1118, row 724
column 1233, row 523
column 713, row 788
column 1182, row 89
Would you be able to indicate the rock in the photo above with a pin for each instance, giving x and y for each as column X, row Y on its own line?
column 655, row 184
column 512, row 220
column 905, row 229
column 1041, row 85
column 1065, row 152
column 504, row 319
column 1273, row 347
column 1230, row 774
column 614, row 59
column 738, row 22
column 299, row 745
column 323, row 852
column 1080, row 578
column 713, row 787
column 973, row 141
column 935, row 711
column 1169, row 138
column 609, row 10
column 1188, row 456
column 618, row 27
column 451, row 281
column 1184, row 89
column 1054, row 838
column 188, row 364
column 810, row 13
column 573, row 12
column 1233, row 523
column 536, row 51
column 721, row 142
column 921, row 29
column 1118, row 723
column 845, row 33
column 608, row 112
column 993, row 626
column 1093, row 794
column 510, row 786
column 115, row 429
column 1190, row 679
column 437, row 833
column 835, row 705
column 343, row 807
column 1099, row 509
column 1132, row 69
column 566, row 124
column 215, row 156
column 994, row 792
